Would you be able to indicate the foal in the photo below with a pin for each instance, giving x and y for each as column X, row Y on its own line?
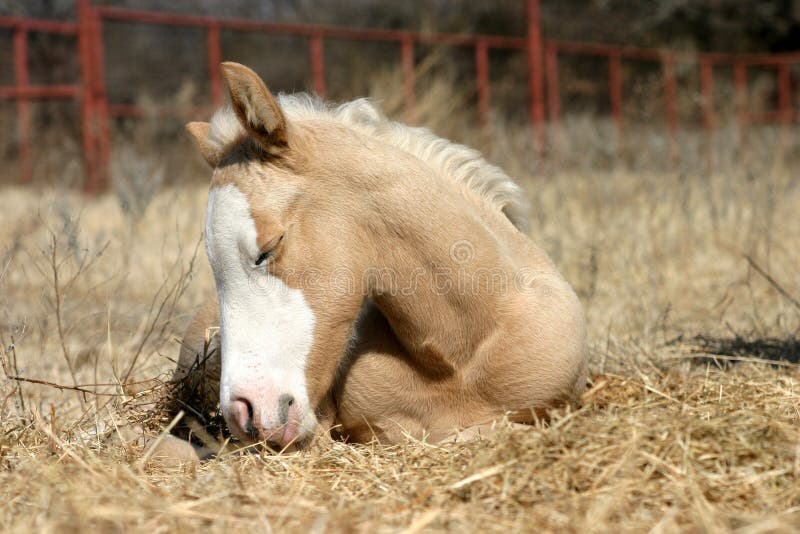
column 369, row 276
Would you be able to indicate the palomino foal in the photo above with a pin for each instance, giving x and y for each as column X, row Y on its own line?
column 370, row 276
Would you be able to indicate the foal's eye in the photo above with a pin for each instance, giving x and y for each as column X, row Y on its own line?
column 267, row 254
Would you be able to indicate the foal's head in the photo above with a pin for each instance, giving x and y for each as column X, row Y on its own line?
column 278, row 227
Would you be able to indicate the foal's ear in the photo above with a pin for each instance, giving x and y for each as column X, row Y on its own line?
column 199, row 132
column 255, row 106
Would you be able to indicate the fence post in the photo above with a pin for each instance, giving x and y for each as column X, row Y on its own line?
column 615, row 88
column 482, row 78
column 214, row 53
column 535, row 78
column 670, row 97
column 23, row 104
column 670, row 92
column 87, row 103
column 317, row 64
column 707, row 91
column 784, row 103
column 785, row 92
column 740, row 82
column 407, row 60
column 553, row 96
column 103, row 170
column 94, row 106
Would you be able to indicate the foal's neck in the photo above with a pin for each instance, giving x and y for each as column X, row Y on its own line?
column 444, row 267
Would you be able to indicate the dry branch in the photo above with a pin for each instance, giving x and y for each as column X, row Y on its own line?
column 60, row 386
column 168, row 303
column 774, row 283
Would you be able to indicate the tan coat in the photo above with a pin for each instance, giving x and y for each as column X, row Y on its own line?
column 451, row 316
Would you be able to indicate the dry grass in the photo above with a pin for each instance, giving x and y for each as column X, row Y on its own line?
column 704, row 450
column 668, row 438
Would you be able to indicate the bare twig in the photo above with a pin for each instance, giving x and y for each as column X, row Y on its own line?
column 168, row 302
column 480, row 475
column 59, row 386
column 12, row 351
column 779, row 288
column 64, row 447
column 5, row 268
column 54, row 265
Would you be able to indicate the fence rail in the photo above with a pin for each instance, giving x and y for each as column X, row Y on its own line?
column 542, row 65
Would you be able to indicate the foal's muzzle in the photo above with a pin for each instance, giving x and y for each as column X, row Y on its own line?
column 253, row 416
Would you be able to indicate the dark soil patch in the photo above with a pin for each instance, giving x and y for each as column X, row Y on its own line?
column 724, row 351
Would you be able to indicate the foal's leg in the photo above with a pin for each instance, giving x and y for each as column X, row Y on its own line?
column 479, row 432
column 384, row 394
column 199, row 366
column 380, row 394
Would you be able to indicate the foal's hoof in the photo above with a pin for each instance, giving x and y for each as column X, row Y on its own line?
column 482, row 432
column 172, row 451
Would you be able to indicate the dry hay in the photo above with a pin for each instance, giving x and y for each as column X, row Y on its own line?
column 690, row 447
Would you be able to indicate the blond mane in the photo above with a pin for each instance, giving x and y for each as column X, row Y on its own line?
column 450, row 160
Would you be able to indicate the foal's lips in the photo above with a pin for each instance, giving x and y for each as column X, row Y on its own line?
column 283, row 436
column 278, row 439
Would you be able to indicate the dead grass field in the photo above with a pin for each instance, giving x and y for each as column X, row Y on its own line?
column 667, row 439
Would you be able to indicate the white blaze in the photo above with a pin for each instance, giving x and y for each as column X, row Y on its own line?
column 266, row 326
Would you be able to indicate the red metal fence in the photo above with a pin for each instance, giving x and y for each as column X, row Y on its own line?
column 542, row 63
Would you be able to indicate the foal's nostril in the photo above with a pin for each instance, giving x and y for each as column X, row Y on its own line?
column 248, row 424
column 285, row 402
